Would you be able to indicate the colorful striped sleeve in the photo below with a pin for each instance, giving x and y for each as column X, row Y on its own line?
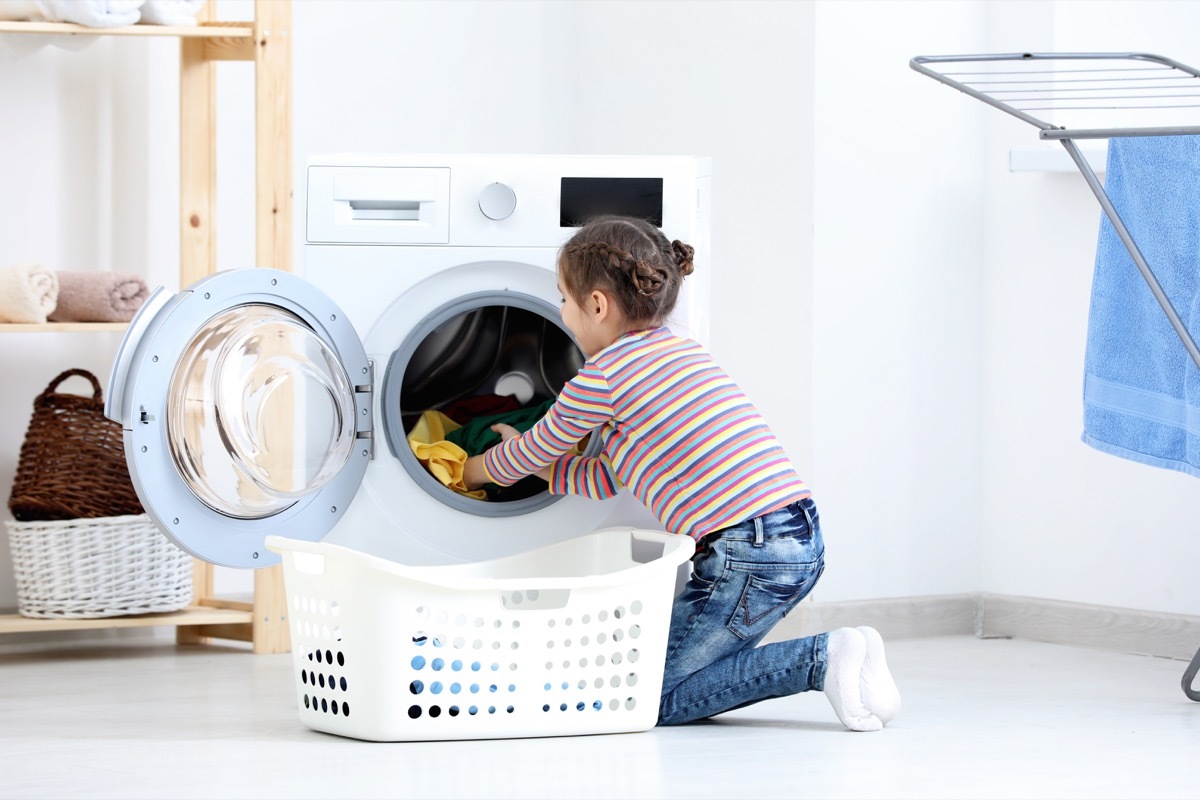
column 588, row 476
column 584, row 404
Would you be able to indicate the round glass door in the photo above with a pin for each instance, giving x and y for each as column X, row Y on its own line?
column 261, row 412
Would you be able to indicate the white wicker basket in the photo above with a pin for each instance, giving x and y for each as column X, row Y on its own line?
column 101, row 567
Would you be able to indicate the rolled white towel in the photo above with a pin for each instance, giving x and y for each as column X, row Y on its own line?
column 171, row 12
column 92, row 13
column 28, row 293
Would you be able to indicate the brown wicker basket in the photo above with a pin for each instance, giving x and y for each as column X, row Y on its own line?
column 72, row 462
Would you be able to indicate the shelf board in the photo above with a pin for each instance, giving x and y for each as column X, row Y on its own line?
column 224, row 30
column 62, row 327
column 192, row 615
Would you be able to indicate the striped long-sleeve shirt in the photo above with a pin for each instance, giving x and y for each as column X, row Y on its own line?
column 674, row 429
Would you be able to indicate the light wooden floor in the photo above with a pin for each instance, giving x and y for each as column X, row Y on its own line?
column 985, row 719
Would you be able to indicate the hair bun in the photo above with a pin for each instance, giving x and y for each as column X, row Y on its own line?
column 683, row 256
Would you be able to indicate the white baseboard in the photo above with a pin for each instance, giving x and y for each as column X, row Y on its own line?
column 991, row 616
column 988, row 616
column 895, row 617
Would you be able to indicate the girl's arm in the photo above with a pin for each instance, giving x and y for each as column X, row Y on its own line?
column 474, row 472
column 584, row 404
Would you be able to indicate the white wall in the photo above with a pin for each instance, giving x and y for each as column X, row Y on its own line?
column 886, row 291
column 896, row 296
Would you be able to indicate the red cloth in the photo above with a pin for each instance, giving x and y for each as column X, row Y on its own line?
column 466, row 409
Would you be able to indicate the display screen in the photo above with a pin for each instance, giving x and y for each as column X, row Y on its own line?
column 582, row 199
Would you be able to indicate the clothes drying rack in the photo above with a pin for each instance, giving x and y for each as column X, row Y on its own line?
column 1088, row 90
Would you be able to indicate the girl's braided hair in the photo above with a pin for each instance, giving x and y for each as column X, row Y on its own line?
column 631, row 260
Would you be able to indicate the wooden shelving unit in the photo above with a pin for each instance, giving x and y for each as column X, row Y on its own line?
column 266, row 42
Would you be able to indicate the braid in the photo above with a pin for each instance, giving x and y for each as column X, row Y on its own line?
column 646, row 278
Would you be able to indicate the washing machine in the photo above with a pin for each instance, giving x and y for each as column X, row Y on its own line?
column 257, row 402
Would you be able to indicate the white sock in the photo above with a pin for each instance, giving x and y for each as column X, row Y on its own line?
column 879, row 692
column 846, row 652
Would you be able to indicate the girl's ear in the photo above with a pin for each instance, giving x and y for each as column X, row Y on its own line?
column 599, row 306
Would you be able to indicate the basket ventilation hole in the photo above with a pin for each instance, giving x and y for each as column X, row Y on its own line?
column 636, row 606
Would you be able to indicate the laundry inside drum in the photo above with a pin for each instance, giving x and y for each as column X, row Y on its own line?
column 490, row 364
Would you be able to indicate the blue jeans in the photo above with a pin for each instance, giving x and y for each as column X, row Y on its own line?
column 744, row 579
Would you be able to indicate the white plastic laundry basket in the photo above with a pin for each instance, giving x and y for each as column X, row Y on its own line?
column 563, row 640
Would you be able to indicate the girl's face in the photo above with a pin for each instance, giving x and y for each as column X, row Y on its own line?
column 589, row 331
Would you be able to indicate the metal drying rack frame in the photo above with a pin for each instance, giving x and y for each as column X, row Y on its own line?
column 1088, row 88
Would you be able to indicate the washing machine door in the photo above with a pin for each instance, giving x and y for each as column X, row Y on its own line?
column 246, row 405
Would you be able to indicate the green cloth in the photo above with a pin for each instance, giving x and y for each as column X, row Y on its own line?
column 477, row 436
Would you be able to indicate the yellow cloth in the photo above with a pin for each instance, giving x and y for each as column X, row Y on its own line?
column 444, row 460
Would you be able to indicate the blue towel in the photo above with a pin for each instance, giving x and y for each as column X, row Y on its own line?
column 1141, row 391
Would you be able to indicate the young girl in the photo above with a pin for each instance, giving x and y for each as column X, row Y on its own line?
column 679, row 434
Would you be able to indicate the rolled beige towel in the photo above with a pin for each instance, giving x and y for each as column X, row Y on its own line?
column 99, row 296
column 28, row 293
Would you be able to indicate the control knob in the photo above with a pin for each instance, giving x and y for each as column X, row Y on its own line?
column 497, row 201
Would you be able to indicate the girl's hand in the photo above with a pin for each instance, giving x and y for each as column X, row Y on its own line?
column 474, row 475
column 506, row 431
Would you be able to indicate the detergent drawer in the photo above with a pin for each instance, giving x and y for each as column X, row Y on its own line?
column 378, row 205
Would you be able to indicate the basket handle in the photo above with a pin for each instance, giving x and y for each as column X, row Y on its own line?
column 83, row 373
column 677, row 548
